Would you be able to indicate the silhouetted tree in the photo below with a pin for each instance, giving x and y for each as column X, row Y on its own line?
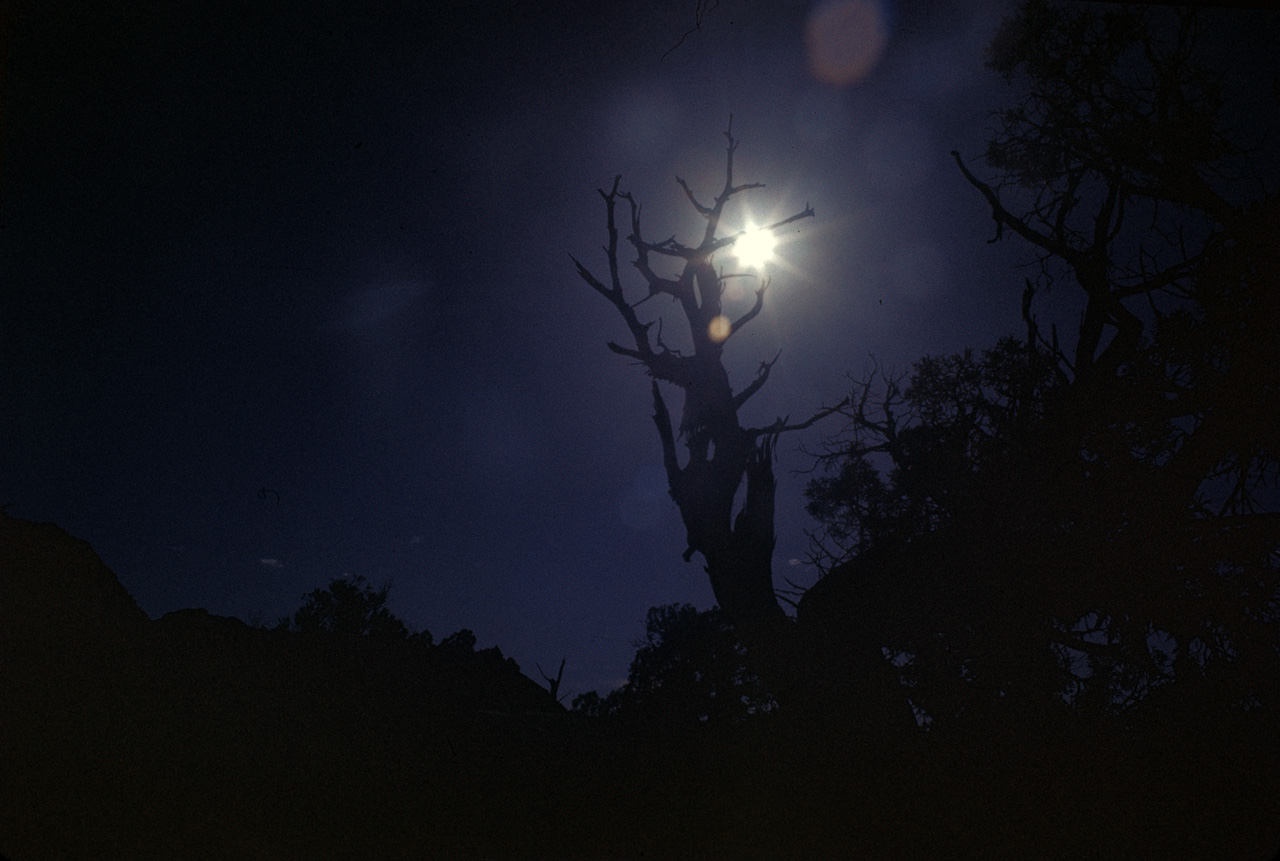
column 461, row 641
column 690, row 670
column 349, row 607
column 553, row 682
column 933, row 536
column 459, row 649
column 936, row 427
column 1094, row 522
column 721, row 453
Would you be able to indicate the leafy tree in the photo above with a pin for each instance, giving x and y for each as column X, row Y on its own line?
column 1084, row 525
column 936, row 435
column 460, row 641
column 349, row 607
column 929, row 515
column 690, row 670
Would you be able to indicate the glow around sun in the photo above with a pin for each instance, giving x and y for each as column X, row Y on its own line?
column 755, row 248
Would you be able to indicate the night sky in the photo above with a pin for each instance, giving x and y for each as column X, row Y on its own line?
column 287, row 292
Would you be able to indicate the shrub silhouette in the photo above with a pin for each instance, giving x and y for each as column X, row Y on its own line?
column 349, row 607
column 689, row 670
column 460, row 641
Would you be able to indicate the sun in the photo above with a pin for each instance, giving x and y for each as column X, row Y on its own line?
column 754, row 248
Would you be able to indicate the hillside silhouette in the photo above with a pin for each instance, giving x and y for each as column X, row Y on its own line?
column 197, row 736
column 195, row 733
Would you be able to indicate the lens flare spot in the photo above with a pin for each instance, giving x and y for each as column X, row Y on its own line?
column 845, row 39
column 719, row 329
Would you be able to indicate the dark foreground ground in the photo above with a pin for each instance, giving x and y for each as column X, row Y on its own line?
column 198, row 737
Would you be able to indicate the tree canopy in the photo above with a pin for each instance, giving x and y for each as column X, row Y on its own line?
column 1090, row 526
column 689, row 670
column 349, row 607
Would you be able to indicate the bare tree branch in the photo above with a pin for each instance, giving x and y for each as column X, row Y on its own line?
column 553, row 683
column 751, row 314
column 701, row 8
column 1004, row 218
column 762, row 376
column 704, row 210
column 780, row 426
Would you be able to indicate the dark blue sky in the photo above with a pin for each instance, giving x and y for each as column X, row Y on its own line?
column 287, row 291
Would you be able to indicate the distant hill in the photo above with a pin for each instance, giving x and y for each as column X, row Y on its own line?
column 195, row 733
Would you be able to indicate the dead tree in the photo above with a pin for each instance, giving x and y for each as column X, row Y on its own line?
column 721, row 453
column 553, row 684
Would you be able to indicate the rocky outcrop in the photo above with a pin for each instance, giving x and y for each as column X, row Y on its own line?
column 53, row 585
